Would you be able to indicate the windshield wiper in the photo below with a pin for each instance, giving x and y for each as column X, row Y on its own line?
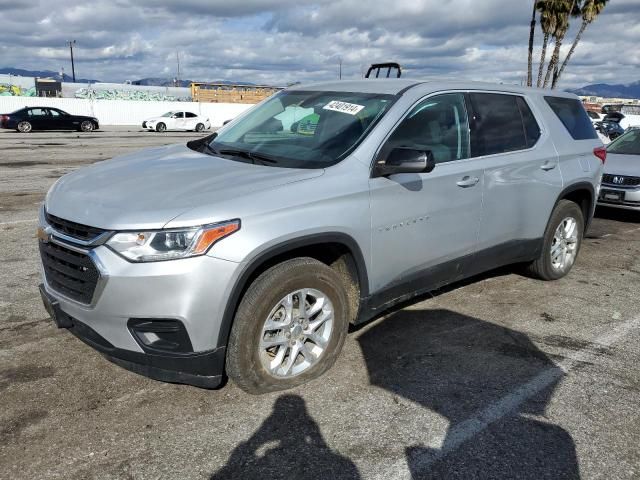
column 254, row 157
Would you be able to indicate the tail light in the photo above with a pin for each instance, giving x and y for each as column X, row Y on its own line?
column 601, row 153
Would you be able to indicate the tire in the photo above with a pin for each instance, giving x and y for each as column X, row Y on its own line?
column 161, row 127
column 24, row 127
column 199, row 127
column 248, row 361
column 86, row 126
column 544, row 267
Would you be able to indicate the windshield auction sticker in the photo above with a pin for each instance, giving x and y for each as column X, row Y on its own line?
column 343, row 107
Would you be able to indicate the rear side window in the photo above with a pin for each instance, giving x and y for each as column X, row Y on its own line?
column 190, row 115
column 502, row 123
column 37, row 112
column 573, row 116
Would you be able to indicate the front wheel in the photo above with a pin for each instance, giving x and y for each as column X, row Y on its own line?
column 24, row 127
column 161, row 127
column 86, row 126
column 561, row 243
column 289, row 328
column 199, row 127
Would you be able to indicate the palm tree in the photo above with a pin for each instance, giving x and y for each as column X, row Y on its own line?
column 532, row 32
column 563, row 9
column 548, row 25
column 590, row 11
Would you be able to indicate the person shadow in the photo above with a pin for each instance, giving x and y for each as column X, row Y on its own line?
column 288, row 445
column 492, row 385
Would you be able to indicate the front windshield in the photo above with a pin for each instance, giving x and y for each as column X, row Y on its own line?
column 302, row 129
column 169, row 114
column 627, row 144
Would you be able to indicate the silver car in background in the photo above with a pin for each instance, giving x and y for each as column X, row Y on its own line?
column 249, row 252
column 621, row 179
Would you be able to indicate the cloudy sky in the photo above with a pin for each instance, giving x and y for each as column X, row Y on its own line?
column 283, row 41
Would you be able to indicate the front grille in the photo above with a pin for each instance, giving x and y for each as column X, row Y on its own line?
column 72, row 229
column 620, row 180
column 68, row 272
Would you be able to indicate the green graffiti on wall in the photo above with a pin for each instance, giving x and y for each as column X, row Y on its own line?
column 126, row 95
column 7, row 90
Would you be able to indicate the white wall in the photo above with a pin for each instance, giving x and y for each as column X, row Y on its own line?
column 123, row 112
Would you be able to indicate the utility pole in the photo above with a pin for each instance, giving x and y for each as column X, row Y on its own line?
column 73, row 68
column 339, row 68
column 178, row 75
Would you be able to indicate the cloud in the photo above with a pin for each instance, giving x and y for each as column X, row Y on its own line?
column 282, row 41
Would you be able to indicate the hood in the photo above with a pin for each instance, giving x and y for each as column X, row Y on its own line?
column 617, row 164
column 149, row 188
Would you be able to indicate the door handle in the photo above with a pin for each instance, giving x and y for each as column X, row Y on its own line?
column 468, row 181
column 548, row 166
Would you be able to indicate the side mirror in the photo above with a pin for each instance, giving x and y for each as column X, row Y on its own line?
column 225, row 122
column 404, row 160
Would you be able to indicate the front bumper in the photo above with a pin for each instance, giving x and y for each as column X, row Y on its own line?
column 201, row 369
column 190, row 292
column 616, row 197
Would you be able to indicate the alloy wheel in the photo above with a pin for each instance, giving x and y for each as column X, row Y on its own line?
column 296, row 332
column 564, row 245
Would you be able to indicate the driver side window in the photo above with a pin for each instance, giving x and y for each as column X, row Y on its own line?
column 438, row 124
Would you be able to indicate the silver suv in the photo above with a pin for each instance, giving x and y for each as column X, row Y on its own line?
column 249, row 252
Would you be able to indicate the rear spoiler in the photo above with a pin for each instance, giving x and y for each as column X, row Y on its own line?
column 378, row 67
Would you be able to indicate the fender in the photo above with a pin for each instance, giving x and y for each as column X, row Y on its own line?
column 316, row 239
column 592, row 201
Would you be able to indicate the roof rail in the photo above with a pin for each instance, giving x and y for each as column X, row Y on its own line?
column 379, row 66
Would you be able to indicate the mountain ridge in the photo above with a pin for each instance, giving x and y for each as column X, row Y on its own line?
column 149, row 81
column 19, row 72
column 629, row 90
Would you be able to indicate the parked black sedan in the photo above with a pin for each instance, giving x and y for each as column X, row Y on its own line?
column 46, row 118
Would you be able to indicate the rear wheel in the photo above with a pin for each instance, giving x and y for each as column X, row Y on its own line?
column 86, row 126
column 161, row 127
column 199, row 127
column 562, row 242
column 289, row 328
column 24, row 127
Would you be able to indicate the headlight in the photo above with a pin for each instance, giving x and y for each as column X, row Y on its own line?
column 157, row 245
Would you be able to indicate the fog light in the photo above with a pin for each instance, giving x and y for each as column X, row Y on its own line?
column 160, row 334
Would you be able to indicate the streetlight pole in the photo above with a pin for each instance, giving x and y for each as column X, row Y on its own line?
column 339, row 68
column 73, row 68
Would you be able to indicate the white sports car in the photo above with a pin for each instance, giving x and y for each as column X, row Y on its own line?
column 177, row 120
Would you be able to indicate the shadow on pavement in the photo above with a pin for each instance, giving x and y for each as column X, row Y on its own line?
column 288, row 445
column 473, row 373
